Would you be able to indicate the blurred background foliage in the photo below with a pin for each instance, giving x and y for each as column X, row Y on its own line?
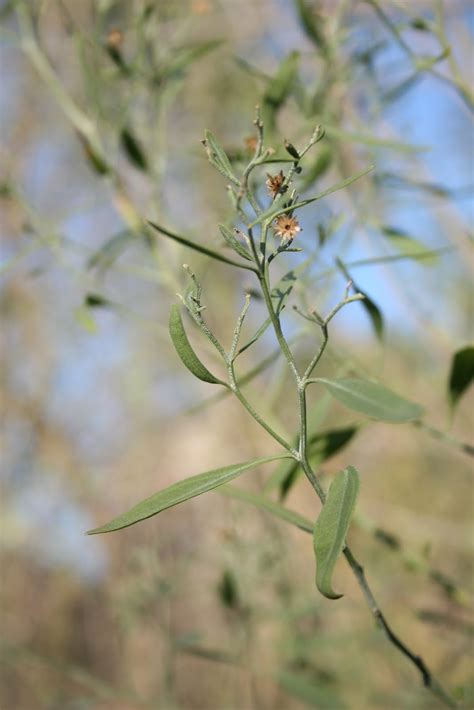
column 213, row 605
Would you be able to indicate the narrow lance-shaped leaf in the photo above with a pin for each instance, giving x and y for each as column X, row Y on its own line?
column 409, row 246
column 198, row 247
column 373, row 311
column 331, row 528
column 462, row 373
column 372, row 399
column 218, row 158
column 178, row 493
column 185, row 351
column 234, row 243
column 275, row 209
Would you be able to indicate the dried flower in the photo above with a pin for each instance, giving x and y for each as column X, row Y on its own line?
column 287, row 227
column 274, row 183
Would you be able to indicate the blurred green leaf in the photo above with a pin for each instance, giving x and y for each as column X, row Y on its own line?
column 373, row 311
column 234, row 243
column 408, row 245
column 331, row 527
column 95, row 160
column 278, row 89
column 180, row 492
column 218, row 158
column 462, row 373
column 133, row 150
column 183, row 57
column 104, row 257
column 185, row 351
column 313, row 24
column 372, row 399
column 95, row 300
column 319, row 167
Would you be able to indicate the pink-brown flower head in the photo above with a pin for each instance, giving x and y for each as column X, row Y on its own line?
column 287, row 227
column 251, row 143
column 274, row 183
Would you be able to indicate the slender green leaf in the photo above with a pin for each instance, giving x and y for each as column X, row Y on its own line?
column 279, row 88
column 234, row 243
column 104, row 257
column 133, row 150
column 331, row 528
column 185, row 351
column 372, row 399
column 180, row 492
column 275, row 209
column 198, row 247
column 373, row 311
column 462, row 373
column 218, row 158
column 269, row 506
column 313, row 24
column 408, row 246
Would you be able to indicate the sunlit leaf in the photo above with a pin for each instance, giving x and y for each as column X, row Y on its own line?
column 331, row 528
column 185, row 351
column 178, row 493
column 372, row 399
column 462, row 373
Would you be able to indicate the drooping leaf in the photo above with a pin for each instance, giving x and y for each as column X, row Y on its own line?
column 234, row 243
column 373, row 311
column 268, row 505
column 331, row 527
column 279, row 88
column 218, row 158
column 185, row 351
column 462, row 373
column 133, row 149
column 178, row 493
column 198, row 247
column 321, row 446
column 372, row 399
column 313, row 694
column 409, row 246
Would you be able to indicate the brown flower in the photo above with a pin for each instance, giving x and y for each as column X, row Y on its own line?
column 287, row 227
column 274, row 183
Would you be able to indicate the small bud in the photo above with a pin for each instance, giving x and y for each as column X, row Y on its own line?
column 291, row 150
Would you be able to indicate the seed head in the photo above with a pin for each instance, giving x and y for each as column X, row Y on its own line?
column 274, row 183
